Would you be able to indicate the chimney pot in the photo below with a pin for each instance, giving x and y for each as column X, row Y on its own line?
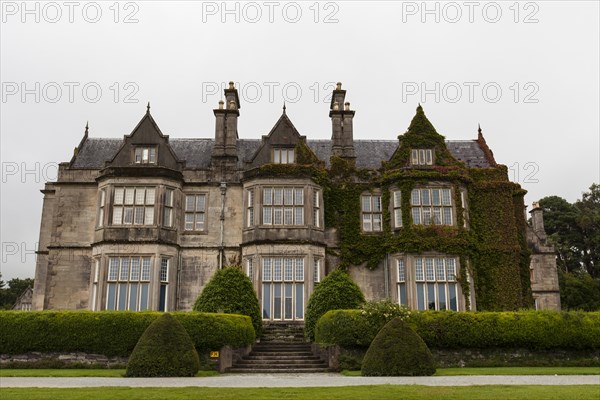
column 338, row 86
column 231, row 85
column 347, row 108
column 232, row 105
column 221, row 102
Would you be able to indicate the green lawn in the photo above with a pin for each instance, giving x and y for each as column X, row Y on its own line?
column 380, row 392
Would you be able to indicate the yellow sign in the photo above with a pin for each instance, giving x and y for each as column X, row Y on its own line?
column 214, row 354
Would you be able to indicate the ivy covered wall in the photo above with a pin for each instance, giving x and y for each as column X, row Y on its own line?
column 492, row 244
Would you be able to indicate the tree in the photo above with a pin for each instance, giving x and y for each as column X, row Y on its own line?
column 337, row 291
column 589, row 225
column 10, row 294
column 574, row 230
column 230, row 291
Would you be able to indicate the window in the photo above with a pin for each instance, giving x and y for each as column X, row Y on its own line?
column 316, row 209
column 435, row 283
column 195, row 212
column 145, row 155
column 431, row 206
column 168, row 208
column 128, row 283
column 250, row 207
column 283, row 206
column 96, row 276
column 133, row 206
column 402, row 283
column 249, row 268
column 421, row 157
column 283, row 288
column 316, row 271
column 164, row 284
column 101, row 204
column 371, row 213
column 283, row 156
column 397, row 203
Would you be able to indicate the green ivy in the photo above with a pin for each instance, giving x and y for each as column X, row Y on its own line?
column 492, row 248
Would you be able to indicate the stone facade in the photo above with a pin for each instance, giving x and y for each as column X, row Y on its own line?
column 143, row 222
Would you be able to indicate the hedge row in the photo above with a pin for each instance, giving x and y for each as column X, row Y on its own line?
column 112, row 333
column 538, row 330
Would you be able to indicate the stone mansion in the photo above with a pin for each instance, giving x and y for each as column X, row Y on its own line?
column 143, row 222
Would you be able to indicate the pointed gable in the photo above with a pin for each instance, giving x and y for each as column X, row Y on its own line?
column 146, row 146
column 421, row 146
column 283, row 137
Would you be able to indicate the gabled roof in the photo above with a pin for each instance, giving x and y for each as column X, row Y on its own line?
column 197, row 152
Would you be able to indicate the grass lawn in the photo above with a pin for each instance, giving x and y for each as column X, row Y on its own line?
column 380, row 392
column 508, row 371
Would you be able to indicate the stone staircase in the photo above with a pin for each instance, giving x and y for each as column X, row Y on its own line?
column 282, row 348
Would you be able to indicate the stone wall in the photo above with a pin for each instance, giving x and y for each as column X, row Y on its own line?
column 62, row 359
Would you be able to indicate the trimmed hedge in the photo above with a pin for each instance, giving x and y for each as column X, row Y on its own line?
column 112, row 333
column 165, row 349
column 538, row 330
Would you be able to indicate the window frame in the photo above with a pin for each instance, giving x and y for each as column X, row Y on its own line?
column 145, row 155
column 275, row 278
column 423, row 279
column 283, row 155
column 121, row 205
column 422, row 157
column 121, row 283
column 168, row 207
column 281, row 206
column 425, row 210
column 371, row 212
column 195, row 213
column 396, row 208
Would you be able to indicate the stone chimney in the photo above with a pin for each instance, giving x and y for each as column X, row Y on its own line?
column 226, row 119
column 342, row 136
column 537, row 220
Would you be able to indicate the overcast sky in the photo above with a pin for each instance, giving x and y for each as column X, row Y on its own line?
column 528, row 72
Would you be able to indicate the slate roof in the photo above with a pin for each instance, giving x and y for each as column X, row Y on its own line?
column 197, row 152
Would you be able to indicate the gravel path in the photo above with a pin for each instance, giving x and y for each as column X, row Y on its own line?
column 301, row 380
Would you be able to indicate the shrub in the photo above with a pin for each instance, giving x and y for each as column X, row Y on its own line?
column 337, row 291
column 230, row 291
column 397, row 350
column 165, row 349
column 112, row 333
column 379, row 313
column 345, row 328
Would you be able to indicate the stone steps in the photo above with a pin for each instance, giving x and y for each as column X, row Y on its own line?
column 282, row 349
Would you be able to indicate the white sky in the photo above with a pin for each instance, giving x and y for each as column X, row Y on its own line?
column 543, row 56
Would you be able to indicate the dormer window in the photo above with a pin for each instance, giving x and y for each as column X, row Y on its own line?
column 421, row 157
column 145, row 155
column 283, row 156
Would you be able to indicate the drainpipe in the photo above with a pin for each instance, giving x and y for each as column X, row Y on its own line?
column 222, row 246
column 386, row 278
column 178, row 284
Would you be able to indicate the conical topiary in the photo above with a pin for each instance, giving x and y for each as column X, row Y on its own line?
column 397, row 350
column 230, row 291
column 337, row 291
column 164, row 349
